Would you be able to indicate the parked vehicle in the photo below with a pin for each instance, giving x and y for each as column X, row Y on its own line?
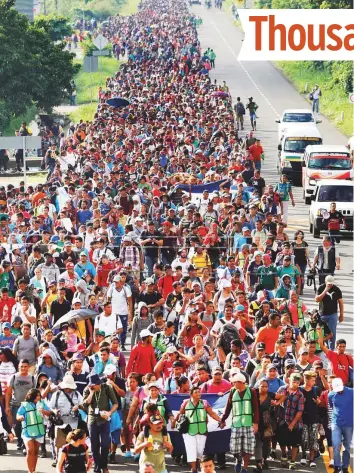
column 293, row 117
column 327, row 191
column 292, row 148
column 324, row 162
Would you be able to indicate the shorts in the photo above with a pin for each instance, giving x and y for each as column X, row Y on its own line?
column 242, row 440
column 310, row 437
column 26, row 440
column 115, row 437
column 287, row 437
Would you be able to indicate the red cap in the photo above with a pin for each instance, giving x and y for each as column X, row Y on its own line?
column 167, row 224
column 81, row 347
column 70, row 265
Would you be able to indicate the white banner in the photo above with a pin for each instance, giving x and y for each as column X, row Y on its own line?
column 297, row 35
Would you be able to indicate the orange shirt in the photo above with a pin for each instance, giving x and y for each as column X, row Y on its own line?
column 269, row 336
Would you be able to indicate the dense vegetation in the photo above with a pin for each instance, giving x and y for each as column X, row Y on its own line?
column 33, row 69
column 334, row 77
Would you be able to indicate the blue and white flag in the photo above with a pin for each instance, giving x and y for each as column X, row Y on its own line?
column 218, row 440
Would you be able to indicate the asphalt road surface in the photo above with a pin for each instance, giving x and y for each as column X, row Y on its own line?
column 273, row 94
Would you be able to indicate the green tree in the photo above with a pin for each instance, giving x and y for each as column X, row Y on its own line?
column 33, row 70
column 57, row 26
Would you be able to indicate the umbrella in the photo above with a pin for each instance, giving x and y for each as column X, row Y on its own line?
column 118, row 102
column 75, row 316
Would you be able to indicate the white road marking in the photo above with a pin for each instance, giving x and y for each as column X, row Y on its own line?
column 244, row 69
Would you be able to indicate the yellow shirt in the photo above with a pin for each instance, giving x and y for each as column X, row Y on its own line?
column 201, row 261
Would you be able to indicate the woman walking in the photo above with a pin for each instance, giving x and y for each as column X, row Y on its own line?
column 31, row 414
column 74, row 457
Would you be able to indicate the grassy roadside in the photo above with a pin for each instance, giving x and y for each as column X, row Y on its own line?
column 333, row 102
column 129, row 7
column 107, row 67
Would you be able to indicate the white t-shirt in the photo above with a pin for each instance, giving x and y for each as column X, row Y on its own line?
column 108, row 325
column 217, row 327
column 184, row 265
column 119, row 299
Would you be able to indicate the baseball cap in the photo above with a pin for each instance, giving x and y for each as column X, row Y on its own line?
column 155, row 419
column 287, row 258
column 177, row 364
column 289, row 362
column 240, row 307
column 171, row 350
column 329, row 279
column 68, row 243
column 337, row 385
column 238, row 378
column 271, row 367
column 110, row 369
column 245, row 229
column 83, row 253
column 154, row 385
column 70, row 265
column 217, row 369
column 101, row 332
column 260, row 346
column 77, row 356
column 149, row 281
column 117, row 278
column 146, row 333
column 80, row 347
column 6, row 325
column 317, row 364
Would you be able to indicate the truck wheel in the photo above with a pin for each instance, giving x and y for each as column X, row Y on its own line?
column 308, row 200
column 315, row 232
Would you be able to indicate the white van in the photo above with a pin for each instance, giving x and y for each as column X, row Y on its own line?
column 292, row 148
column 324, row 162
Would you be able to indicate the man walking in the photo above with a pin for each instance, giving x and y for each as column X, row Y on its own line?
column 243, row 404
column 330, row 298
column 101, row 402
column 340, row 399
column 326, row 259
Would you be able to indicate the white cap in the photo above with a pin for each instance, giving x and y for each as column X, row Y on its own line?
column 110, row 369
column 146, row 333
column 329, row 279
column 225, row 283
column 337, row 385
column 238, row 378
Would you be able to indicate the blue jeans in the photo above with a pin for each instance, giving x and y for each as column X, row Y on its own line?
column 315, row 105
column 150, row 261
column 123, row 335
column 100, row 440
column 341, row 435
column 331, row 321
column 258, row 165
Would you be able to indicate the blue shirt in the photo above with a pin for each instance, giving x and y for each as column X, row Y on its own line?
column 81, row 268
column 84, row 215
column 342, row 405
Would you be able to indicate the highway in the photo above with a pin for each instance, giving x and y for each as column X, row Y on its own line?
column 273, row 93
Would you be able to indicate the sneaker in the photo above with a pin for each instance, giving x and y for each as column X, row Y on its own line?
column 313, row 464
column 284, row 462
column 273, row 454
column 43, row 454
column 303, row 461
column 128, row 454
column 331, row 463
column 238, row 467
column 54, row 464
column 20, row 447
column 136, row 457
column 292, row 466
column 112, row 458
column 24, row 451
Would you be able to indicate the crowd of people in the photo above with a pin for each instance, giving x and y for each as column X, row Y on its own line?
column 120, row 285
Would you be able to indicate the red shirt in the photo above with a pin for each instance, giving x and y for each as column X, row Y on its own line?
column 340, row 364
column 211, row 388
column 142, row 360
column 10, row 302
column 164, row 285
column 103, row 271
column 256, row 152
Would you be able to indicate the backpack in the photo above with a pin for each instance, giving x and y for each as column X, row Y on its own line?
column 228, row 333
column 240, row 109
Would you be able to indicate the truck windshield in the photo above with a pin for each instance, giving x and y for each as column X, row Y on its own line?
column 298, row 117
column 335, row 194
column 330, row 162
column 298, row 145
